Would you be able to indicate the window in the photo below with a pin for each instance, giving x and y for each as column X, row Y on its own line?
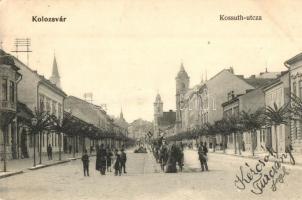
column 48, row 105
column 4, row 89
column 54, row 108
column 12, row 91
column 300, row 89
column 295, row 88
column 59, row 111
column 41, row 103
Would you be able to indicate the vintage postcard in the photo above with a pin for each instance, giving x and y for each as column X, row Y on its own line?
column 150, row 99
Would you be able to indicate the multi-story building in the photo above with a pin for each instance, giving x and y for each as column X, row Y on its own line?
column 39, row 93
column 278, row 93
column 94, row 115
column 295, row 75
column 9, row 78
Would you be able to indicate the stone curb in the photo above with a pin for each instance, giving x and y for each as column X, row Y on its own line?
column 48, row 165
column 10, row 174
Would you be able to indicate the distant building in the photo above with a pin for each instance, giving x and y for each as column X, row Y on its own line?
column 164, row 122
column 139, row 128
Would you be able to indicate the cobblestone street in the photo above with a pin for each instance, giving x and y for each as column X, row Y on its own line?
column 144, row 180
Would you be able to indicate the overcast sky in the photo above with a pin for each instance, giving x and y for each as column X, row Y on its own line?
column 126, row 51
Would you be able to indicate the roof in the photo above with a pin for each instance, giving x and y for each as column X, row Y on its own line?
column 7, row 59
column 293, row 60
column 258, row 82
column 182, row 72
column 41, row 77
column 275, row 81
column 24, row 112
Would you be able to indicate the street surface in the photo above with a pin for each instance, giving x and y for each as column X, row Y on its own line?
column 145, row 181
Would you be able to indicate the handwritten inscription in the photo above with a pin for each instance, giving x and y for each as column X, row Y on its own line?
column 264, row 173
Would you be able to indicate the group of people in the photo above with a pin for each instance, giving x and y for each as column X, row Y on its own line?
column 104, row 159
column 169, row 156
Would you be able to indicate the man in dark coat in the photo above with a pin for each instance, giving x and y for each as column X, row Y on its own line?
column 123, row 161
column 98, row 159
column 172, row 158
column 49, row 152
column 102, row 159
column 85, row 160
column 202, row 154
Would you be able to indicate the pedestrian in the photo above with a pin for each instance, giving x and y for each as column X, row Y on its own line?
column 117, row 164
column 123, row 161
column 172, row 158
column 163, row 155
column 102, row 160
column 49, row 152
column 109, row 159
column 85, row 160
column 98, row 159
column 202, row 154
column 180, row 157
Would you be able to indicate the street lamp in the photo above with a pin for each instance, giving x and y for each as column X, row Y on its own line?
column 34, row 123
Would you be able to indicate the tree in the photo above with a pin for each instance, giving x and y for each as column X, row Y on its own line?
column 233, row 124
column 251, row 123
column 275, row 116
column 41, row 122
column 222, row 127
column 60, row 126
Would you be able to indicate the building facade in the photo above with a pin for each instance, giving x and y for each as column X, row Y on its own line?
column 38, row 93
column 9, row 78
column 295, row 74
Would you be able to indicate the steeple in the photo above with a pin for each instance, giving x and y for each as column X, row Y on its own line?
column 121, row 115
column 55, row 77
column 182, row 72
column 158, row 98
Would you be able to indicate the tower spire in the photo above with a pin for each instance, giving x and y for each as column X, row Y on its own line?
column 121, row 114
column 55, row 77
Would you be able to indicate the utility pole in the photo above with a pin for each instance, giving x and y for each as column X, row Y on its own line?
column 24, row 43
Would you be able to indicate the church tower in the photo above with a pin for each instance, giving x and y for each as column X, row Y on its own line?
column 55, row 77
column 182, row 86
column 158, row 113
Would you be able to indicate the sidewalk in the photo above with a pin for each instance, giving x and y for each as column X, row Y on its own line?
column 19, row 166
column 261, row 155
